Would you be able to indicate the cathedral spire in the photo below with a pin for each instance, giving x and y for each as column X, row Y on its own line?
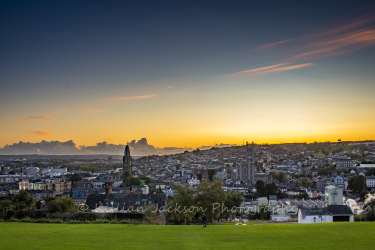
column 127, row 160
column 127, row 151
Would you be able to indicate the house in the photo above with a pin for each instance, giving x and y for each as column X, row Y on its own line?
column 338, row 180
column 370, row 181
column 331, row 213
column 220, row 174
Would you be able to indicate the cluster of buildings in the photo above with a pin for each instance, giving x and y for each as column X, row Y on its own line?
column 238, row 167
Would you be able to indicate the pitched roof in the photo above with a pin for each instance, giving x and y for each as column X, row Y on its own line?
column 339, row 209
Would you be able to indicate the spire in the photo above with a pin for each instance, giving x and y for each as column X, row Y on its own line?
column 127, row 151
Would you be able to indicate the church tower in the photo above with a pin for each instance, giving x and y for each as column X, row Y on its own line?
column 250, row 162
column 246, row 170
column 127, row 161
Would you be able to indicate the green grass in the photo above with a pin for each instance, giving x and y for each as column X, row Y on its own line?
column 117, row 236
column 318, row 154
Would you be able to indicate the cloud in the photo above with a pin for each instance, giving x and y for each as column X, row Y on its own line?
column 337, row 45
column 127, row 98
column 270, row 45
column 42, row 133
column 272, row 68
column 342, row 28
column 342, row 39
column 103, row 148
column 37, row 118
column 142, row 147
column 221, row 145
column 91, row 111
column 43, row 147
column 137, row 148
column 291, row 67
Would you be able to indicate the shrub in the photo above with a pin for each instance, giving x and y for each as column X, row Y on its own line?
column 359, row 218
column 26, row 220
column 124, row 222
column 74, row 222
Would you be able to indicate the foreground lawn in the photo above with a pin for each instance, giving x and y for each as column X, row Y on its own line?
column 119, row 236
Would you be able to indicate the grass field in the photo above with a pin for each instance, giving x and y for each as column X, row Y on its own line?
column 119, row 236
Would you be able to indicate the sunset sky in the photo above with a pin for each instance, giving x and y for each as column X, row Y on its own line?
column 186, row 73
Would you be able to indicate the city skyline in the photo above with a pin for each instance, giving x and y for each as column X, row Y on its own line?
column 186, row 74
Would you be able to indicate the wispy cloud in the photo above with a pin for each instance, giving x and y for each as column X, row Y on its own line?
column 270, row 45
column 41, row 133
column 342, row 39
column 291, row 67
column 127, row 98
column 329, row 33
column 272, row 68
column 256, row 70
column 37, row 118
column 338, row 45
column 91, row 111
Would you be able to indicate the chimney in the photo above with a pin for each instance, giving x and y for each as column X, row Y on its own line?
column 108, row 189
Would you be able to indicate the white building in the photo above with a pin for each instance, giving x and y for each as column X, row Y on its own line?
column 370, row 181
column 194, row 181
column 9, row 178
column 334, row 195
column 332, row 213
column 220, row 174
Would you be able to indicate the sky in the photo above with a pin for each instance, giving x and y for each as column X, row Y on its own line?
column 183, row 74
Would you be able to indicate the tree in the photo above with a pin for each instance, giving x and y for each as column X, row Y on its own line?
column 262, row 213
column 323, row 171
column 85, row 168
column 199, row 175
column 211, row 172
column 125, row 175
column 62, row 205
column 129, row 181
column 233, row 199
column 303, row 195
column 74, row 178
column 210, row 195
column 325, row 152
column 270, row 189
column 183, row 200
column 370, row 172
column 177, row 166
column 134, row 181
column 150, row 210
column 5, row 205
column 259, row 185
column 357, row 184
column 23, row 201
column 280, row 177
column 147, row 180
column 304, row 181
